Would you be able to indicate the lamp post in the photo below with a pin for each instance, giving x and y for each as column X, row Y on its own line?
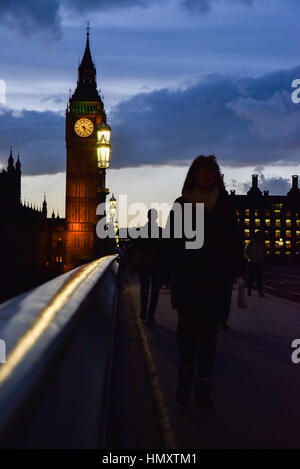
column 103, row 149
column 112, row 208
column 103, row 156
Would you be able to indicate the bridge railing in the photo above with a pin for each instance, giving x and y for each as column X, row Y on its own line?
column 59, row 337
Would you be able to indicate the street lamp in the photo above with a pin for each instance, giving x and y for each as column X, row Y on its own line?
column 103, row 145
column 112, row 207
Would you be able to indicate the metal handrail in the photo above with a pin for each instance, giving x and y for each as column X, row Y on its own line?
column 36, row 327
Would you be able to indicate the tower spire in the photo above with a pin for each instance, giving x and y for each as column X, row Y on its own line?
column 10, row 166
column 87, row 61
column 18, row 163
column 86, row 82
column 44, row 209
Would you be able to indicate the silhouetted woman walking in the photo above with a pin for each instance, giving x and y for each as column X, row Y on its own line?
column 202, row 279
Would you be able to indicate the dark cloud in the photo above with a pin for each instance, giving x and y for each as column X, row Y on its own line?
column 105, row 5
column 38, row 135
column 30, row 16
column 243, row 121
column 204, row 6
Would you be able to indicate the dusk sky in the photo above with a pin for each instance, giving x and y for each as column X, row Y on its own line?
column 179, row 77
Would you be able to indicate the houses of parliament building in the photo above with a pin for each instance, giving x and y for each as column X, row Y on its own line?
column 36, row 246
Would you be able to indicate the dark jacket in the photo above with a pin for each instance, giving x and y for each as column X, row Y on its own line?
column 201, row 278
column 148, row 252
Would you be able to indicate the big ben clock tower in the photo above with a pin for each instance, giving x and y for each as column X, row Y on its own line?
column 85, row 173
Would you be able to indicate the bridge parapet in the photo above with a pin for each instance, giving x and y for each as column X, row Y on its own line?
column 59, row 337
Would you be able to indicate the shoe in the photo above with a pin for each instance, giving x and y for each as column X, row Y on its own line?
column 224, row 327
column 202, row 394
column 184, row 387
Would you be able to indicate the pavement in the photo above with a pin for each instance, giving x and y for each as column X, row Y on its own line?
column 256, row 387
column 283, row 282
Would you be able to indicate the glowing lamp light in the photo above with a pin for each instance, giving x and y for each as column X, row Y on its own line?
column 112, row 207
column 103, row 145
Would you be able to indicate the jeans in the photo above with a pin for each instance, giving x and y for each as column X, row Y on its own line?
column 255, row 270
column 146, row 280
column 197, row 337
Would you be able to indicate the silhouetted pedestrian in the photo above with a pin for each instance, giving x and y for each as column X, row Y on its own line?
column 148, row 266
column 202, row 279
column 256, row 253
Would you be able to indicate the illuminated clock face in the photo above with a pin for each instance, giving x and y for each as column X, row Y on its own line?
column 84, row 127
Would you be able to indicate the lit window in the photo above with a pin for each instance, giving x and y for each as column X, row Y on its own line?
column 247, row 221
column 278, row 223
column 277, row 253
column 247, row 233
column 247, row 213
column 268, row 222
column 277, row 233
column 288, row 234
column 289, row 222
column 257, row 222
column 298, row 234
column 288, row 244
column 267, row 243
column 298, row 222
column 288, row 253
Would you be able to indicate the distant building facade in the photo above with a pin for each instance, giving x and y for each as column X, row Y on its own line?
column 31, row 244
column 278, row 216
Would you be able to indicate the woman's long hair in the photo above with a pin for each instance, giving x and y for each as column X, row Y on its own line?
column 200, row 163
